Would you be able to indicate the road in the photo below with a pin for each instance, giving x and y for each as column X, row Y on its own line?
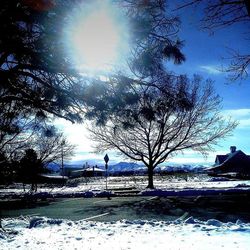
column 99, row 209
column 223, row 207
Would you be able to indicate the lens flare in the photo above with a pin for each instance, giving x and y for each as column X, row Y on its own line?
column 97, row 37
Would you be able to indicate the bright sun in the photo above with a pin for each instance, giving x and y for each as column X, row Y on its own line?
column 97, row 37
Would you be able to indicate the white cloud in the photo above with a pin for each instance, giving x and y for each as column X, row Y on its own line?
column 244, row 123
column 76, row 134
column 240, row 115
column 237, row 113
column 191, row 160
column 211, row 69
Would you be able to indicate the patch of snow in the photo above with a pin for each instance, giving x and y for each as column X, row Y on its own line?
column 214, row 222
column 44, row 233
column 96, row 187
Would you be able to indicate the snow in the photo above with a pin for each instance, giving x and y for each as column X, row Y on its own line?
column 95, row 187
column 184, row 233
column 53, row 176
column 44, row 233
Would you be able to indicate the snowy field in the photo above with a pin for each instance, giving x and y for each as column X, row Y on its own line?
column 175, row 183
column 44, row 233
column 29, row 232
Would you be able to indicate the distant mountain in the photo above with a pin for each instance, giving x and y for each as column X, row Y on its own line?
column 126, row 167
column 56, row 167
column 138, row 168
column 130, row 167
column 182, row 168
column 53, row 167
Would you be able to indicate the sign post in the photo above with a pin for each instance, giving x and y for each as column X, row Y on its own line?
column 106, row 159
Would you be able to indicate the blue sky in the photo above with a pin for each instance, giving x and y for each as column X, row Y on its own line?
column 204, row 53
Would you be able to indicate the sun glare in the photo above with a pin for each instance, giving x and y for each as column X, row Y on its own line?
column 97, row 37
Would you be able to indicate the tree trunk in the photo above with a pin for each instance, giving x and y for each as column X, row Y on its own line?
column 150, row 177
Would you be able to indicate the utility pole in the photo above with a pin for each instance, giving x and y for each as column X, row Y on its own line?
column 62, row 147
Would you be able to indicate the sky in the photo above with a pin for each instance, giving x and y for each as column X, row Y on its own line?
column 205, row 52
column 204, row 56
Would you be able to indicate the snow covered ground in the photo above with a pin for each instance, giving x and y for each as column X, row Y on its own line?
column 44, row 233
column 96, row 186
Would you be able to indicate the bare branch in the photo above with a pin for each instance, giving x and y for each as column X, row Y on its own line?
column 162, row 127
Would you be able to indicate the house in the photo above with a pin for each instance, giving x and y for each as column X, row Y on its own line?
column 68, row 170
column 88, row 172
column 235, row 163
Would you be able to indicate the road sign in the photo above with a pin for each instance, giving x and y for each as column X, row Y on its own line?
column 106, row 158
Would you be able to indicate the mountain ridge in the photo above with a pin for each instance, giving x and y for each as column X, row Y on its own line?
column 135, row 167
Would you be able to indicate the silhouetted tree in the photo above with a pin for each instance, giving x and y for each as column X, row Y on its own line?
column 37, row 76
column 22, row 133
column 52, row 146
column 29, row 169
column 16, row 128
column 35, row 72
column 154, row 37
column 166, row 120
column 219, row 14
column 154, row 41
column 5, row 170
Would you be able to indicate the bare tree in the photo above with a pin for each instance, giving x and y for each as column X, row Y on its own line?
column 16, row 128
column 50, row 148
column 157, row 31
column 238, row 67
column 45, row 149
column 166, row 123
column 34, row 68
column 218, row 14
column 154, row 39
column 221, row 13
column 40, row 150
column 20, row 132
column 37, row 72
